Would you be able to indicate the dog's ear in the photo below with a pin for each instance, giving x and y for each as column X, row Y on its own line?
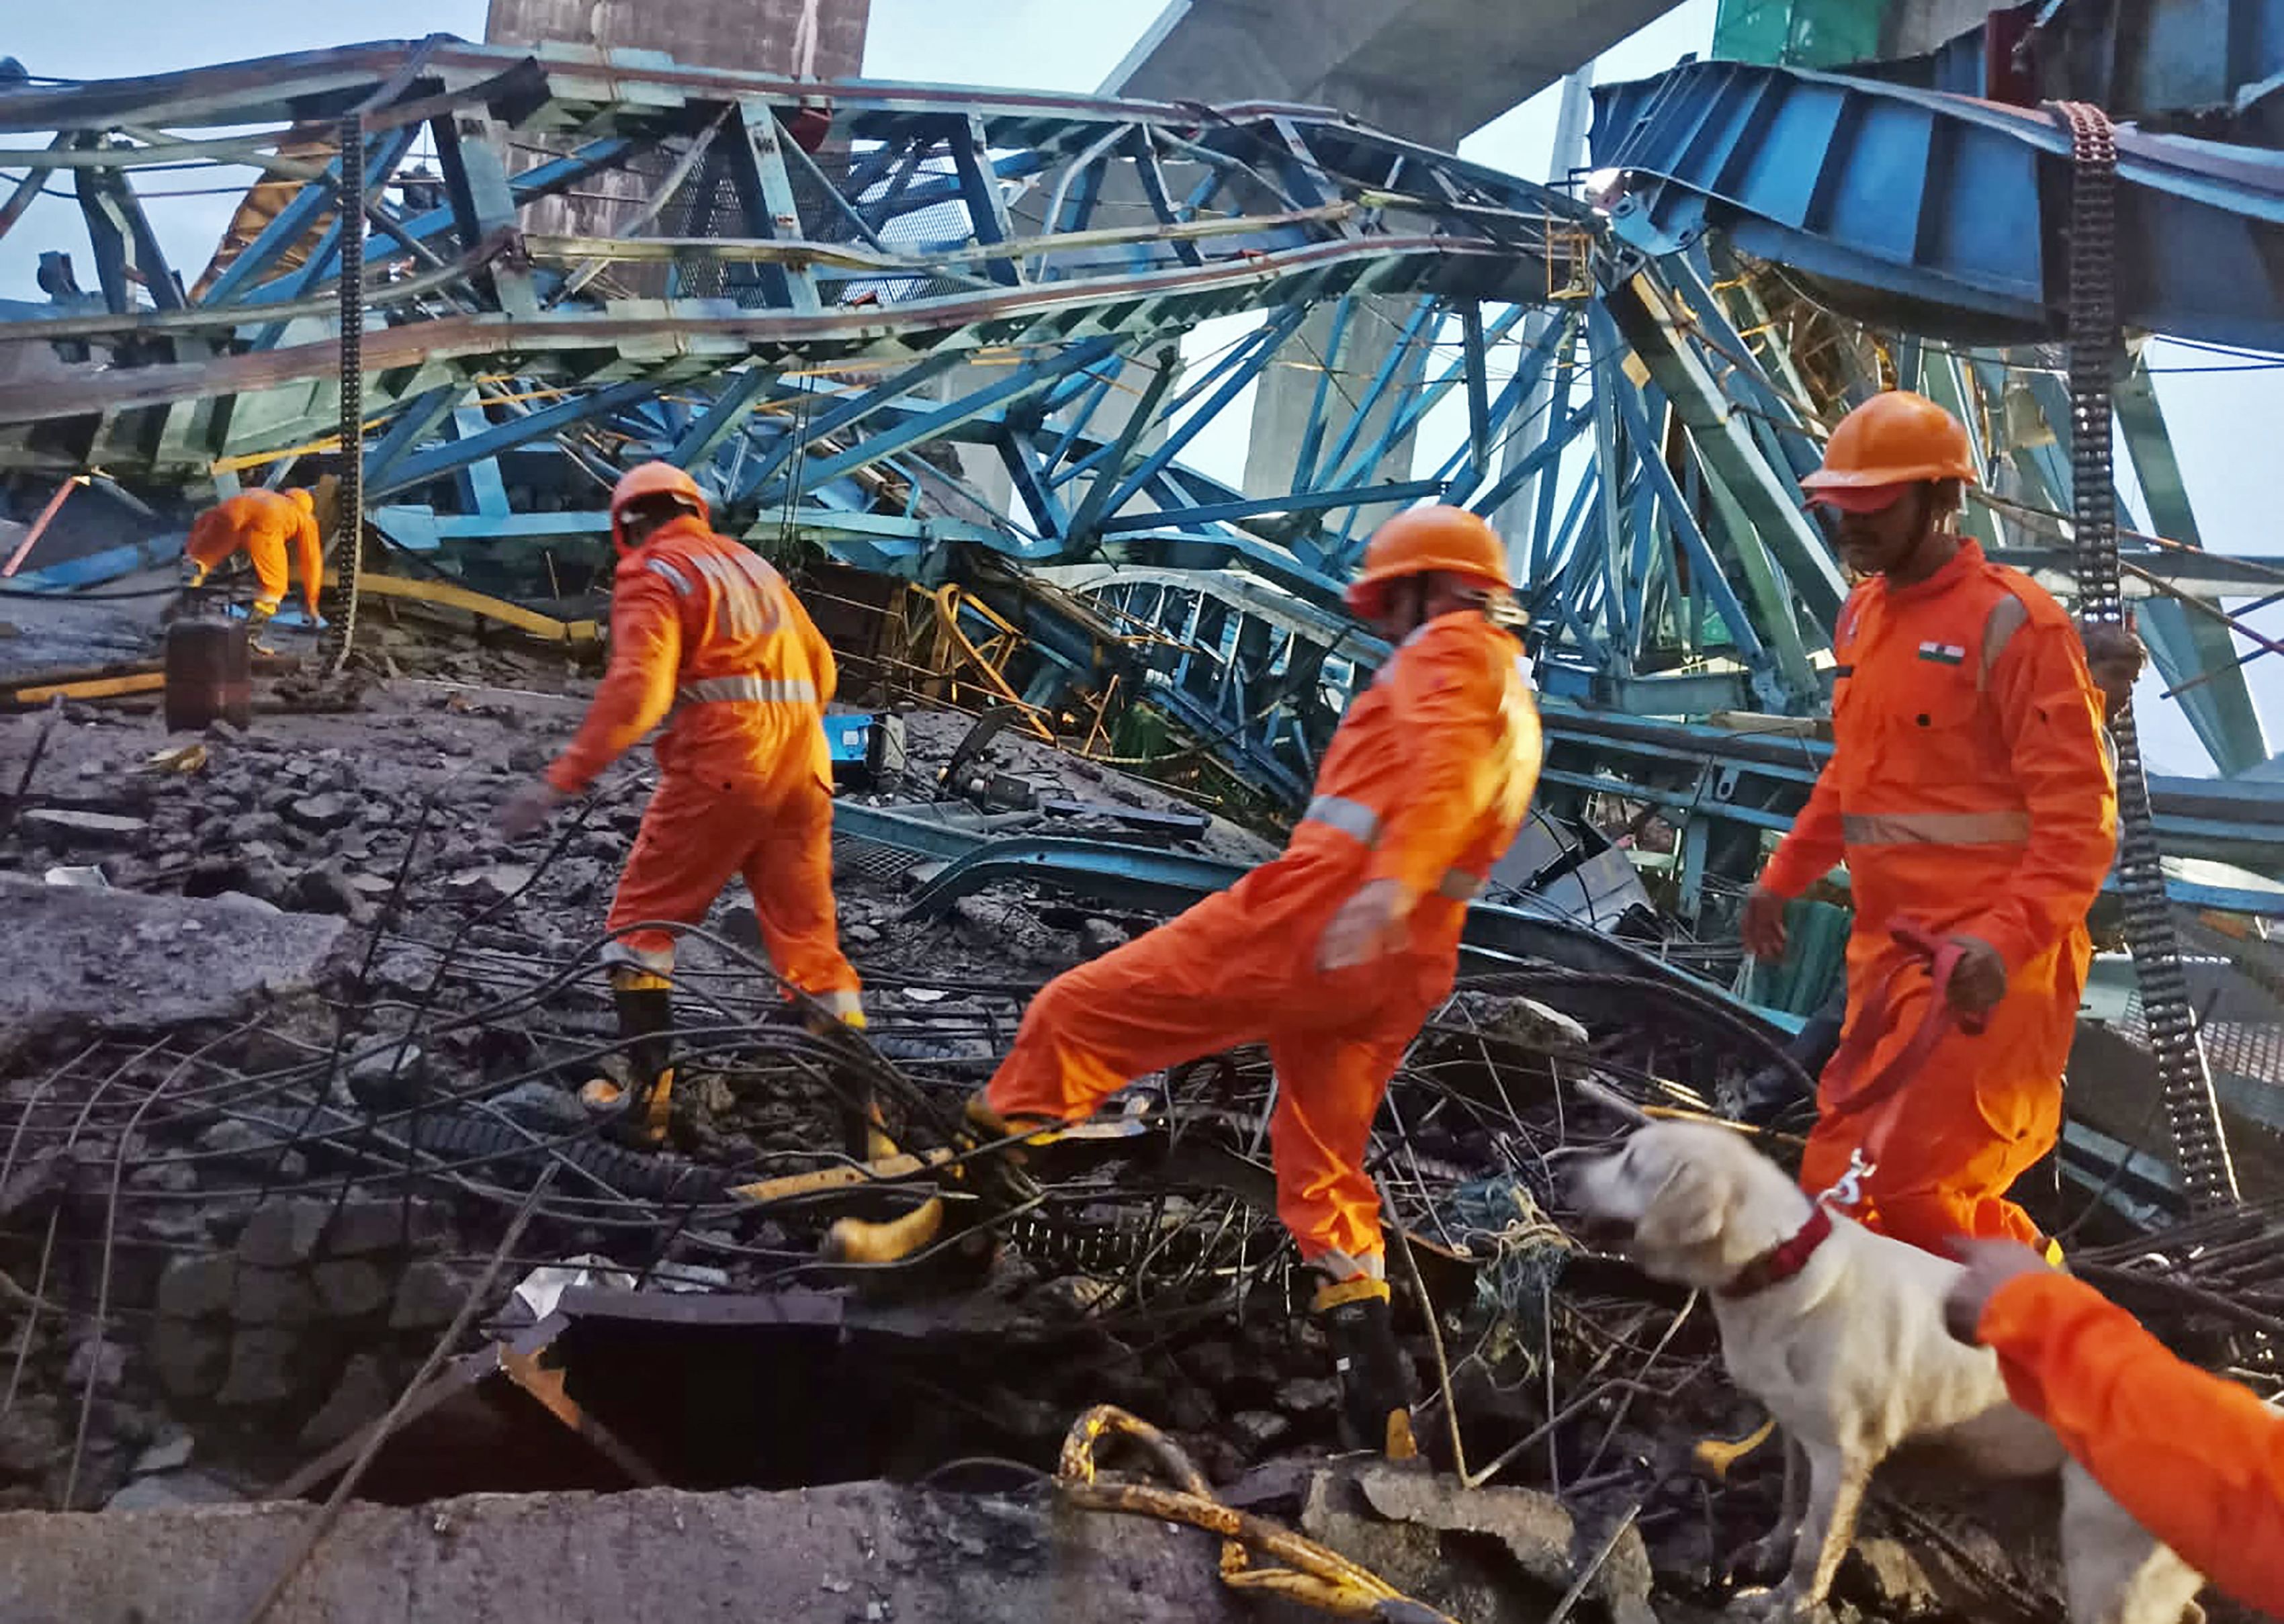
column 1688, row 1209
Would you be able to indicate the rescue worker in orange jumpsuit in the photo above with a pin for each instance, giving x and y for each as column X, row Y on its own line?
column 2114, row 658
column 1969, row 793
column 2198, row 1461
column 1333, row 953
column 261, row 524
column 704, row 628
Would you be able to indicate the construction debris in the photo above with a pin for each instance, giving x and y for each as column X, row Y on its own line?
column 281, row 1086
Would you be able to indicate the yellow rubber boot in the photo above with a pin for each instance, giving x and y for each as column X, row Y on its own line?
column 257, row 618
column 994, row 1177
column 852, row 1241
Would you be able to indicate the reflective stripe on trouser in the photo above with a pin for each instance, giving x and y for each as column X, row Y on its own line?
column 1360, row 821
column 757, row 689
column 1979, row 1113
column 1239, row 968
column 1997, row 828
column 699, row 831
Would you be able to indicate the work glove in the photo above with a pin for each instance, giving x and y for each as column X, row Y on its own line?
column 1980, row 981
column 528, row 808
column 1370, row 925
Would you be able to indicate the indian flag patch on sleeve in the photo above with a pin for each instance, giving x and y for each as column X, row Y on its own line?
column 1943, row 653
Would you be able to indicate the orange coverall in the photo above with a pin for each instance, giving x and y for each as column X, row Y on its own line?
column 705, row 627
column 262, row 523
column 2198, row 1461
column 1969, row 791
column 1426, row 783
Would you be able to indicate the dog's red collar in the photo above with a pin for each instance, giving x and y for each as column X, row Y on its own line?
column 1780, row 1262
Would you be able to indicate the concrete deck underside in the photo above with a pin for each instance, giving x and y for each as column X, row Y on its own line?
column 1430, row 69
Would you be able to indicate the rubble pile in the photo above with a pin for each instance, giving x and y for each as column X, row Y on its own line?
column 244, row 1190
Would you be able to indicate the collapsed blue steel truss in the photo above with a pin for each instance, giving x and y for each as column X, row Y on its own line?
column 996, row 338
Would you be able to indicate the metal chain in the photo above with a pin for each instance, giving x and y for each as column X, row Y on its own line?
column 2192, row 1113
column 340, row 599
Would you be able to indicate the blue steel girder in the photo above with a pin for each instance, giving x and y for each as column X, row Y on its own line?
column 1010, row 271
column 1935, row 214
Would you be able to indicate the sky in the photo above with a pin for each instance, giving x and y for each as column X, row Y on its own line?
column 2220, row 424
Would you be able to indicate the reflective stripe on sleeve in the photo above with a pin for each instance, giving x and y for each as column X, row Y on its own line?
column 1361, row 823
column 1350, row 817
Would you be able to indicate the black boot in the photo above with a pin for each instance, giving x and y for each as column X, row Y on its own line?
column 1375, row 1384
column 645, row 1003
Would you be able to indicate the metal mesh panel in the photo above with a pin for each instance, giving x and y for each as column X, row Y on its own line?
column 870, row 860
column 2236, row 996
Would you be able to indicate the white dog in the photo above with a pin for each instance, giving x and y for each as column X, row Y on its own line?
column 1839, row 1334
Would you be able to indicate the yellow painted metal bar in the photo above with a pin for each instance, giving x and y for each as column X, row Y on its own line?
column 91, row 688
column 447, row 595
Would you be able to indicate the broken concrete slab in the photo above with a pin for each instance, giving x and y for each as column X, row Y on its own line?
column 283, row 1233
column 191, row 1359
column 1411, row 1557
column 197, row 1287
column 825, row 1556
column 272, row 1297
column 171, row 1488
column 361, row 1398
column 349, row 1288
column 1537, row 1528
column 65, row 826
column 429, row 1295
column 319, row 813
column 268, row 1365
column 78, row 957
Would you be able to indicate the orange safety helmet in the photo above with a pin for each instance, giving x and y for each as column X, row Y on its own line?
column 302, row 497
column 1422, row 540
column 654, row 480
column 1891, row 443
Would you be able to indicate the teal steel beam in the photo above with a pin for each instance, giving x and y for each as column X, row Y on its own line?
column 1771, row 500
column 723, row 417
column 2187, row 647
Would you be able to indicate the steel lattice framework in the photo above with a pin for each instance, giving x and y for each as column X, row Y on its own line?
column 974, row 336
column 807, row 292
